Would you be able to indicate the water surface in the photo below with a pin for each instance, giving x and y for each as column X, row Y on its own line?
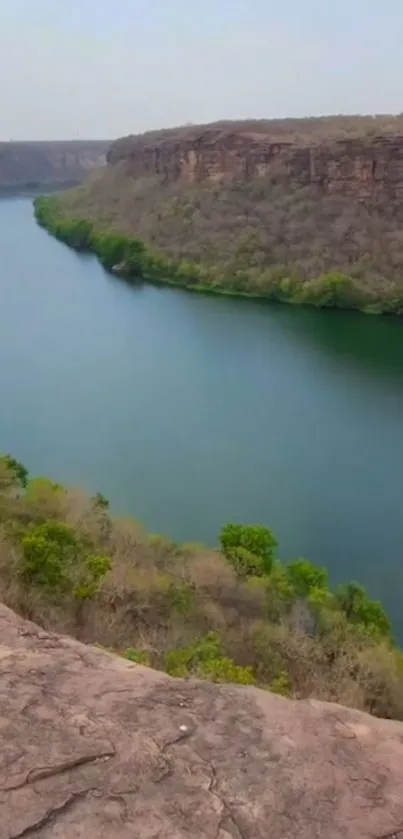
column 188, row 411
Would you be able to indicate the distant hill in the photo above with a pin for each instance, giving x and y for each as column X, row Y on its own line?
column 33, row 165
column 304, row 210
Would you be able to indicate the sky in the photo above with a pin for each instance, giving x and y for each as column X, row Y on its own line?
column 106, row 68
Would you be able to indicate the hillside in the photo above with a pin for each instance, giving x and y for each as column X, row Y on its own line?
column 94, row 746
column 35, row 165
column 234, row 614
column 301, row 210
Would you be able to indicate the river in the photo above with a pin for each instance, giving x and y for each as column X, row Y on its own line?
column 188, row 411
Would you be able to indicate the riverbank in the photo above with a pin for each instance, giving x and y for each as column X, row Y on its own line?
column 132, row 259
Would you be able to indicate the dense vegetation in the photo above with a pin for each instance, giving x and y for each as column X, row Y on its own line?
column 270, row 240
column 243, row 276
column 235, row 614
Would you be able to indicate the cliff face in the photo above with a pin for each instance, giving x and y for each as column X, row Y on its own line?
column 264, row 207
column 30, row 165
column 366, row 168
column 96, row 747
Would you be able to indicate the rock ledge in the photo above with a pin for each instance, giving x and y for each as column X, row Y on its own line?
column 93, row 746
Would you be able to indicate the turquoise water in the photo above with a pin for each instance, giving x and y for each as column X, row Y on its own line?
column 188, row 411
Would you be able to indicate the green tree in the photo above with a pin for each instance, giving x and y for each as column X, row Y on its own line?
column 249, row 547
column 49, row 549
column 110, row 248
column 12, row 472
column 358, row 608
column 78, row 233
column 333, row 290
column 56, row 559
column 304, row 577
column 135, row 257
column 279, row 593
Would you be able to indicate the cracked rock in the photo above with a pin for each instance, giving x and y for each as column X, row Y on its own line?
column 92, row 747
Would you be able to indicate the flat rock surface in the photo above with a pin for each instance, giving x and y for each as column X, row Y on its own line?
column 93, row 746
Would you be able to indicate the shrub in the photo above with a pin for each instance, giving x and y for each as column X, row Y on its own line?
column 223, row 669
column 54, row 558
column 182, row 661
column 181, row 598
column 138, row 656
column 358, row 608
column 333, row 289
column 47, row 498
column 249, row 547
column 268, row 237
column 15, row 468
column 205, row 659
column 246, row 563
column 67, row 564
column 304, row 577
column 281, row 684
column 110, row 248
column 280, row 594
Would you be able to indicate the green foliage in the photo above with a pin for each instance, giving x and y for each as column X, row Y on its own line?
column 281, row 684
column 56, row 559
column 48, row 551
column 138, row 656
column 358, row 608
column 279, row 593
column 224, row 669
column 185, row 660
column 246, row 563
column 90, row 575
column 77, row 233
column 277, row 241
column 12, row 472
column 304, row 577
column 205, row 659
column 278, row 625
column 110, row 248
column 334, row 290
column 45, row 496
column 181, row 598
column 250, row 548
column 20, row 471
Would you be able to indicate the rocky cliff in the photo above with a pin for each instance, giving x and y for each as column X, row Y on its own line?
column 367, row 166
column 48, row 164
column 307, row 211
column 94, row 746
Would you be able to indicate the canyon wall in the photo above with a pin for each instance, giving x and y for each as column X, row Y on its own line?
column 33, row 165
column 257, row 202
column 368, row 167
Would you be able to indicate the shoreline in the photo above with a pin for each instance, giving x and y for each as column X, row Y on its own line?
column 132, row 260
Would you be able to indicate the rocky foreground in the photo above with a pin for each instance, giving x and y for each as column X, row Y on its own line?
column 94, row 746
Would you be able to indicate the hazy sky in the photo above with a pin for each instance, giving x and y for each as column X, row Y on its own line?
column 103, row 68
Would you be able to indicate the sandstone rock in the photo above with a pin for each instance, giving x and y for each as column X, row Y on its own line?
column 49, row 163
column 93, row 746
column 367, row 167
